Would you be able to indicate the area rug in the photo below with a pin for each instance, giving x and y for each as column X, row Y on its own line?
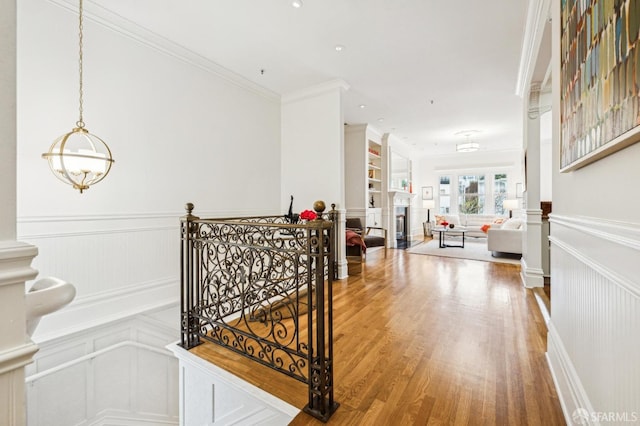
column 474, row 249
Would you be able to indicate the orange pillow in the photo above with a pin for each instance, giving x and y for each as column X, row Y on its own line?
column 440, row 219
column 485, row 228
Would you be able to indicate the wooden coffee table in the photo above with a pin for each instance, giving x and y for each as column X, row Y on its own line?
column 458, row 231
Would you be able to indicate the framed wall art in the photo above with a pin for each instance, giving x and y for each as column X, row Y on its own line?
column 599, row 79
column 519, row 190
column 427, row 192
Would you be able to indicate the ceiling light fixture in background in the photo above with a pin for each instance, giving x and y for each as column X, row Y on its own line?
column 297, row 4
column 79, row 158
column 468, row 145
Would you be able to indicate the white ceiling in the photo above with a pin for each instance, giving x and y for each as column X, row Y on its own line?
column 425, row 69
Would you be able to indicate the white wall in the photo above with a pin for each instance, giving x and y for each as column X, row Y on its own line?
column 429, row 169
column 313, row 147
column 546, row 157
column 180, row 132
column 594, row 332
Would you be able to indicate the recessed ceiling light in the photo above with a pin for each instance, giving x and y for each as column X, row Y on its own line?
column 297, row 4
column 363, row 106
column 339, row 48
column 380, row 120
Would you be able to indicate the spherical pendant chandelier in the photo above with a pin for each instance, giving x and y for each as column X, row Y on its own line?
column 79, row 158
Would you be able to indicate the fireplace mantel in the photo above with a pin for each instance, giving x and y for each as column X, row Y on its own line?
column 400, row 198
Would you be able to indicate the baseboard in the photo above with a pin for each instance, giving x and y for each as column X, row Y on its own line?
column 531, row 277
column 573, row 398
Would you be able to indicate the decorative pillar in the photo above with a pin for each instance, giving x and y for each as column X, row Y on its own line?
column 341, row 252
column 531, row 262
column 16, row 349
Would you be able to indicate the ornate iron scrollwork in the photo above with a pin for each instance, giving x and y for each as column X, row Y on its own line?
column 261, row 287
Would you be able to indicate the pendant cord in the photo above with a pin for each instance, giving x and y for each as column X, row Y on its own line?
column 80, row 122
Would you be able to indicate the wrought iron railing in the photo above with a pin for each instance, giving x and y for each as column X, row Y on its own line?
column 261, row 287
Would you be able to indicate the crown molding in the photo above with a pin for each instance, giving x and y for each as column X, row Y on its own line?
column 133, row 31
column 538, row 13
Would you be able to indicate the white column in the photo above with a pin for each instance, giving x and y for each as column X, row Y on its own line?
column 16, row 349
column 341, row 252
column 532, row 273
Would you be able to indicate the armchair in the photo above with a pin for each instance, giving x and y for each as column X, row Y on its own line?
column 376, row 239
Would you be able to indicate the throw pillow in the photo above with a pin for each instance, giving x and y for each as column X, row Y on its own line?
column 485, row 228
column 440, row 219
column 512, row 224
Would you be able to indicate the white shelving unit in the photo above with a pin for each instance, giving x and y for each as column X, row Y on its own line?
column 365, row 174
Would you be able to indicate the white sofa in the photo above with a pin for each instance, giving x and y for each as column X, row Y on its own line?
column 472, row 222
column 506, row 238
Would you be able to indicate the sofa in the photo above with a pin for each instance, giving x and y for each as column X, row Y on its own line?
column 473, row 223
column 506, row 238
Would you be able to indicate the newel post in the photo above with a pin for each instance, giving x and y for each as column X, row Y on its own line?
column 321, row 403
column 188, row 282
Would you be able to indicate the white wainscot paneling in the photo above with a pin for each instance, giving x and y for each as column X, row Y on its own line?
column 120, row 265
column 211, row 396
column 115, row 374
column 594, row 332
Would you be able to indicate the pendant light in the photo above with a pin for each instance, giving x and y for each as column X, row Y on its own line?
column 79, row 158
column 468, row 145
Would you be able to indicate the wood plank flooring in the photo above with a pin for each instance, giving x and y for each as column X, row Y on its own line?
column 423, row 340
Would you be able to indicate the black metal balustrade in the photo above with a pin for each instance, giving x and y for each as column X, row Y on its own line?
column 261, row 287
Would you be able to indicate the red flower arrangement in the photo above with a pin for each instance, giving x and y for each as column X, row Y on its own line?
column 308, row 215
column 444, row 223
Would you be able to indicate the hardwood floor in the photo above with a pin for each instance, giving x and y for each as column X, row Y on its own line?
column 423, row 340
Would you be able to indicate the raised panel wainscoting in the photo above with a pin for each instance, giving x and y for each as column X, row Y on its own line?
column 209, row 395
column 118, row 374
column 593, row 340
column 102, row 358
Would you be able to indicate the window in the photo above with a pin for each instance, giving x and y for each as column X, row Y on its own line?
column 471, row 194
column 445, row 194
column 499, row 192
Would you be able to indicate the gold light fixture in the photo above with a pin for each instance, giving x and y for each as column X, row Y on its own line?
column 79, row 158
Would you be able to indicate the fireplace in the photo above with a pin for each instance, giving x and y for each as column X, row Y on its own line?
column 401, row 227
column 399, row 218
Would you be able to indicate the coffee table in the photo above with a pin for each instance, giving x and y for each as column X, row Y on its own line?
column 442, row 231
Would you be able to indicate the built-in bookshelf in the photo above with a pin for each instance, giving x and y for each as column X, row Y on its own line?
column 374, row 174
column 365, row 174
